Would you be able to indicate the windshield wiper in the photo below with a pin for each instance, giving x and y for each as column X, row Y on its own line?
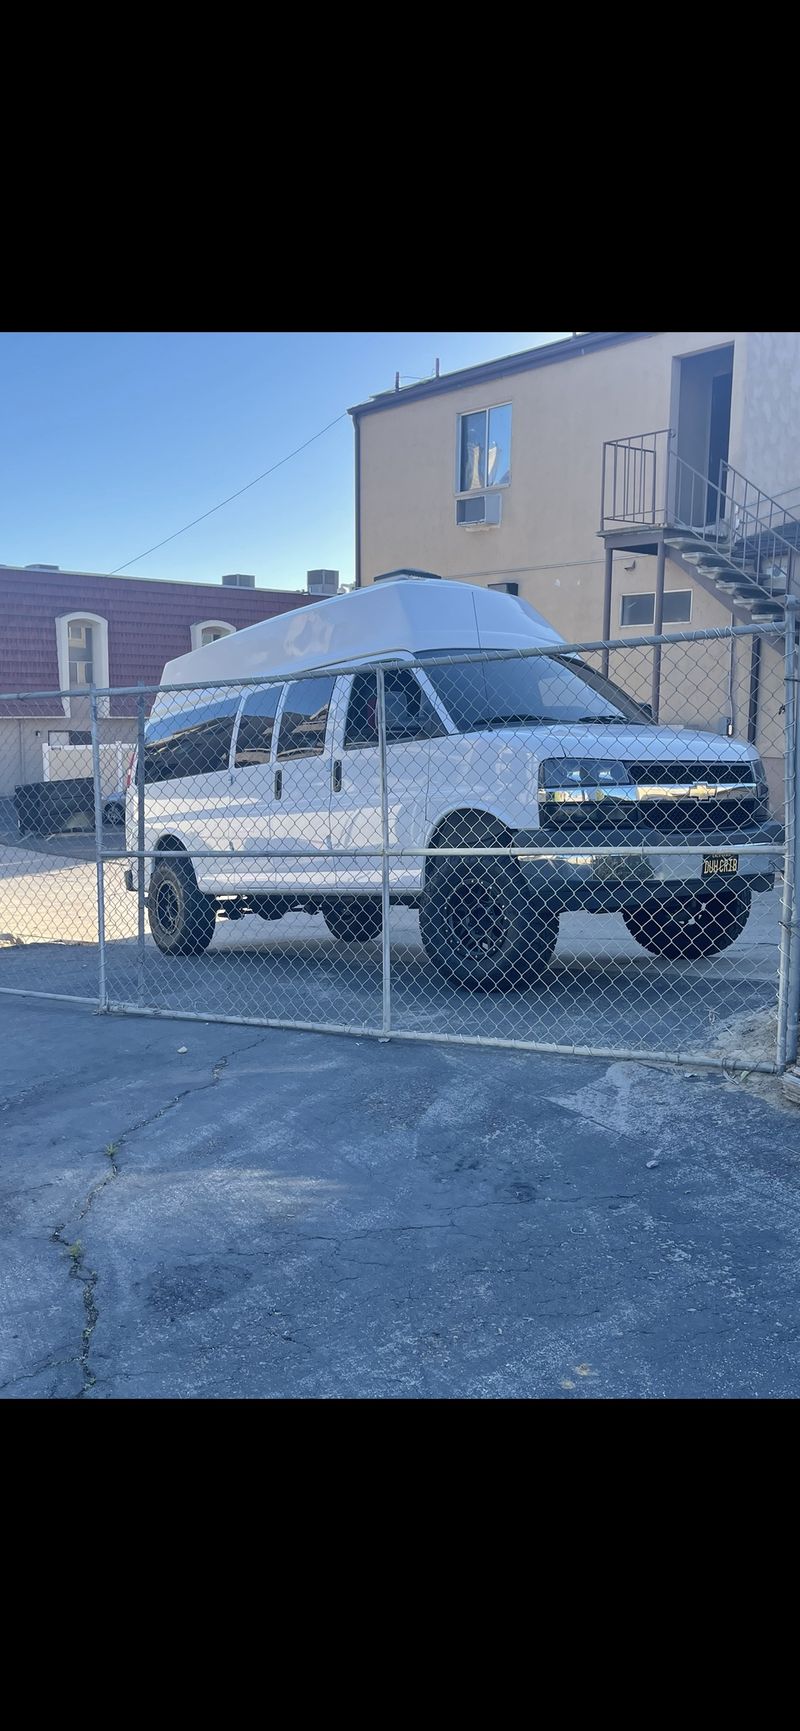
column 602, row 721
column 513, row 721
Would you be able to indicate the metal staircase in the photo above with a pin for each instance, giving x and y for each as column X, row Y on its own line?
column 731, row 536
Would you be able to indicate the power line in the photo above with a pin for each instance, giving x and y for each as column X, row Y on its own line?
column 236, row 495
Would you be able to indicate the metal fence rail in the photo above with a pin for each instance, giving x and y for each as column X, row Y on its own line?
column 497, row 848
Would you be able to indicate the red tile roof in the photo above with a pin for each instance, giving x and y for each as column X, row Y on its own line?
column 149, row 622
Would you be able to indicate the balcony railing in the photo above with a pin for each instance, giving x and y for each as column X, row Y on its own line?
column 647, row 485
column 634, row 490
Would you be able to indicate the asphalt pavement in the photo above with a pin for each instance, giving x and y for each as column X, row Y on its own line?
column 196, row 1211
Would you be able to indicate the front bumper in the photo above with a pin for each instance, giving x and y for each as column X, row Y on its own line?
column 570, row 875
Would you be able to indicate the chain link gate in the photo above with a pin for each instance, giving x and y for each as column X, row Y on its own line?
column 501, row 848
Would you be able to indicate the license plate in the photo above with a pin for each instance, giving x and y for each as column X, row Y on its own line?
column 720, row 865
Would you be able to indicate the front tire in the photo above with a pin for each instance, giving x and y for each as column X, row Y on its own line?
column 181, row 918
column 482, row 928
column 353, row 920
column 692, row 927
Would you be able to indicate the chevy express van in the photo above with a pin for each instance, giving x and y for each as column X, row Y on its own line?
column 254, row 795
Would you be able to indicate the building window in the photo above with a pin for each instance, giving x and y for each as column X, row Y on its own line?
column 79, row 642
column 82, row 643
column 55, row 738
column 209, row 631
column 641, row 609
column 484, row 449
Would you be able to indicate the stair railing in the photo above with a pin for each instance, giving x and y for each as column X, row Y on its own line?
column 646, row 484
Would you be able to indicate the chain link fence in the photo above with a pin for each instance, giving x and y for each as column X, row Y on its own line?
column 584, row 849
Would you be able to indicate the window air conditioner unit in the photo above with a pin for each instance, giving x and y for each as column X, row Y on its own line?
column 479, row 511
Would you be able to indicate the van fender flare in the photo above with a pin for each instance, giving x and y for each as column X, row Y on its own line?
column 463, row 826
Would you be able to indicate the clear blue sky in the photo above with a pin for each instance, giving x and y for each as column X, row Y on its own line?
column 109, row 441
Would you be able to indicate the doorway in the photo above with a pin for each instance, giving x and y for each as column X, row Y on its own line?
column 704, row 419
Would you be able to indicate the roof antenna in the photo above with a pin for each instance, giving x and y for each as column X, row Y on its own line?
column 436, row 367
column 397, row 381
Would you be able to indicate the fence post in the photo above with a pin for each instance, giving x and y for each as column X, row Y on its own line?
column 608, row 579
column 140, row 899
column 792, row 903
column 98, row 855
column 386, row 955
column 789, row 974
column 658, row 626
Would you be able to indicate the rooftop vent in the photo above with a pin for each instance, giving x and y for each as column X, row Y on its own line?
column 322, row 582
column 238, row 580
column 409, row 575
column 39, row 567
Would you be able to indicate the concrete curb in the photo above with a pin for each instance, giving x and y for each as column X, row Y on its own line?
column 791, row 1085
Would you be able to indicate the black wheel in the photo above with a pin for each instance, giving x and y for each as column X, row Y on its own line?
column 114, row 814
column 181, row 919
column 481, row 928
column 353, row 919
column 694, row 926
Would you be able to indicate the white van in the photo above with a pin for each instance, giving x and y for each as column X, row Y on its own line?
column 252, row 797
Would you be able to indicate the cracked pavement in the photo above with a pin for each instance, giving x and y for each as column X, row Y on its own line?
column 274, row 1214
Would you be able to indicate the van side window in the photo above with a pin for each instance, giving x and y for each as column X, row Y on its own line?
column 304, row 718
column 191, row 742
column 256, row 726
column 409, row 714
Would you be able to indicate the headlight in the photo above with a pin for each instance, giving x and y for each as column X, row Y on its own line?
column 580, row 778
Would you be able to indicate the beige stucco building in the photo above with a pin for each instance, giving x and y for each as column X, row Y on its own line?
column 505, row 474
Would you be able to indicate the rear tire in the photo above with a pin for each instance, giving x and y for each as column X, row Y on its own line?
column 482, row 928
column 181, row 918
column 353, row 919
column 695, row 926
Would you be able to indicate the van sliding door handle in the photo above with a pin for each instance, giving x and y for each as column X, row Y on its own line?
column 278, row 783
column 337, row 775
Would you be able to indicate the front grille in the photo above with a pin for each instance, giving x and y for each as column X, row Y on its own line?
column 698, row 815
column 667, row 816
column 686, row 774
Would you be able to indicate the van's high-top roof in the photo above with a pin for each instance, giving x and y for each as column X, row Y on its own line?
column 386, row 619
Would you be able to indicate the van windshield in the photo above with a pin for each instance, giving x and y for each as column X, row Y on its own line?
column 533, row 691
